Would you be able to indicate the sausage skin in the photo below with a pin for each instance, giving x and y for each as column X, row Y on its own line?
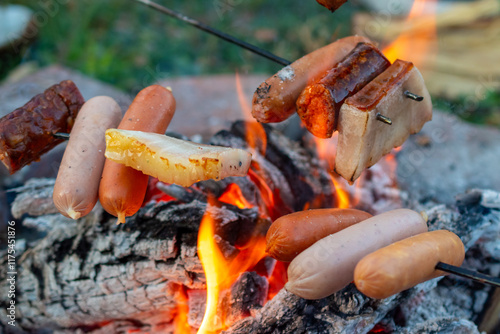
column 328, row 265
column 122, row 189
column 274, row 100
column 291, row 234
column 319, row 103
column 28, row 132
column 77, row 183
column 406, row 263
column 363, row 140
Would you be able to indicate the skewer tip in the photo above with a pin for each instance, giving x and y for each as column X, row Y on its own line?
column 412, row 96
column 383, row 119
column 61, row 135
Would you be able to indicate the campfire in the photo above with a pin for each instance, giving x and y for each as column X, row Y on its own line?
column 195, row 259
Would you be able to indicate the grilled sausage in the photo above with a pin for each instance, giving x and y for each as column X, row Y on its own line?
column 122, row 189
column 291, row 234
column 319, row 103
column 77, row 182
column 28, row 132
column 274, row 100
column 328, row 265
column 406, row 263
column 360, row 132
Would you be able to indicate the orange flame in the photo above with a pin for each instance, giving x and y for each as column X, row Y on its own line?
column 343, row 200
column 255, row 134
column 233, row 195
column 181, row 325
column 220, row 272
column 327, row 150
column 211, row 257
column 417, row 43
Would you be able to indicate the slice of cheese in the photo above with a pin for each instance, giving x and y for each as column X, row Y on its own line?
column 174, row 160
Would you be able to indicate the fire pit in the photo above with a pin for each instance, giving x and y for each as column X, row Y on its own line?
column 193, row 259
column 145, row 275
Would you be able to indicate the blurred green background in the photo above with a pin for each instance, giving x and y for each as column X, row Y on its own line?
column 122, row 42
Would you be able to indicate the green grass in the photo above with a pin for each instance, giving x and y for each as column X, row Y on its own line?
column 129, row 45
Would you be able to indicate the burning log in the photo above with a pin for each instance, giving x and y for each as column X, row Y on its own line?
column 145, row 275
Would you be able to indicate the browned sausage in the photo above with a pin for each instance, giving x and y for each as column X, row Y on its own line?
column 406, row 263
column 122, row 189
column 319, row 103
column 28, row 132
column 291, row 234
column 274, row 100
column 328, row 265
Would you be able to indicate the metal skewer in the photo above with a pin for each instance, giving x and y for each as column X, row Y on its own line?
column 467, row 273
column 215, row 32
column 413, row 96
column 61, row 135
column 383, row 119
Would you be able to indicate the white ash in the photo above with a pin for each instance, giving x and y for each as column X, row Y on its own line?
column 287, row 73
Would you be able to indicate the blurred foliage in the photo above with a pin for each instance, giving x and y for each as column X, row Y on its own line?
column 129, row 45
column 479, row 111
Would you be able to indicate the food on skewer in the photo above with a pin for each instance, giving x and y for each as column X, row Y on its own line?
column 275, row 99
column 328, row 265
column 332, row 5
column 363, row 140
column 174, row 160
column 77, row 183
column 122, row 189
column 398, row 97
column 319, row 103
column 406, row 263
column 289, row 235
column 28, row 132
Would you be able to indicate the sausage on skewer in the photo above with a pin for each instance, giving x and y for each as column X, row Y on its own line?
column 77, row 182
column 274, row 100
column 406, row 263
column 328, row 265
column 319, row 103
column 289, row 235
column 28, row 132
column 122, row 189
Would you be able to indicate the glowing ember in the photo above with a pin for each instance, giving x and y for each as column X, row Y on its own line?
column 417, row 43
